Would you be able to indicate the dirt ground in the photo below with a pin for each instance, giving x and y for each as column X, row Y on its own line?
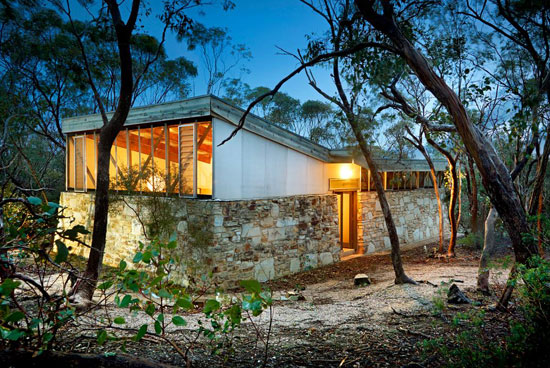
column 337, row 324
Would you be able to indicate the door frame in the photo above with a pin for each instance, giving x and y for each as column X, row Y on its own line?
column 352, row 218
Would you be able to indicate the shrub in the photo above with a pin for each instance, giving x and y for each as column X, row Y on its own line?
column 34, row 279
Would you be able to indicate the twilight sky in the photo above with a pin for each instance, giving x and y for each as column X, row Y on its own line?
column 261, row 25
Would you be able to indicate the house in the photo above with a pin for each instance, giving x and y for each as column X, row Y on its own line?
column 274, row 203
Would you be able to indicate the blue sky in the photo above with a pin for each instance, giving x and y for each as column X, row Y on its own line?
column 261, row 25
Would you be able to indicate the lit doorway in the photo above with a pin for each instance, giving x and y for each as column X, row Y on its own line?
column 347, row 220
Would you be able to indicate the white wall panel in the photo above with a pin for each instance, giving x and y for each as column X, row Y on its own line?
column 227, row 162
column 276, row 156
column 253, row 165
column 250, row 166
column 296, row 180
column 315, row 176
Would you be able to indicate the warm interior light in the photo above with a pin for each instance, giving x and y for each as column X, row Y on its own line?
column 346, row 172
column 156, row 183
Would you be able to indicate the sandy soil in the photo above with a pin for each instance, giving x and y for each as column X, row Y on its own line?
column 336, row 323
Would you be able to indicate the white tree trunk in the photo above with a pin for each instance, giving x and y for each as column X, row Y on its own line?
column 489, row 247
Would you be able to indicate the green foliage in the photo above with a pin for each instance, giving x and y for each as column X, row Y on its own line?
column 526, row 344
column 468, row 348
column 30, row 315
column 471, row 240
column 150, row 289
column 533, row 284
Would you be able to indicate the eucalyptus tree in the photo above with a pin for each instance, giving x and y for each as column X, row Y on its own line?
column 42, row 63
column 388, row 20
column 220, row 56
column 344, row 37
column 107, row 16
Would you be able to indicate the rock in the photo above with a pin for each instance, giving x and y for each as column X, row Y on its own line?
column 456, row 296
column 361, row 279
column 295, row 296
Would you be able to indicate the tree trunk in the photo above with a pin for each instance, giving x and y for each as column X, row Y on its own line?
column 537, row 196
column 488, row 251
column 495, row 176
column 459, row 204
column 417, row 143
column 107, row 135
column 400, row 276
column 454, row 197
column 474, row 205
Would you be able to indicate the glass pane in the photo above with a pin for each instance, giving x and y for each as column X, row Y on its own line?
column 90, row 161
column 157, row 181
column 70, row 163
column 204, row 158
column 132, row 156
column 117, row 165
column 172, row 175
column 186, row 159
column 146, row 164
column 79, row 163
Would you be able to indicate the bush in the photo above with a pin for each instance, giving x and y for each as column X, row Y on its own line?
column 153, row 288
column 35, row 280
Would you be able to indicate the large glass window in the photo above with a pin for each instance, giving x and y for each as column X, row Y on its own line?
column 91, row 162
column 204, row 158
column 186, row 150
column 161, row 158
column 173, row 161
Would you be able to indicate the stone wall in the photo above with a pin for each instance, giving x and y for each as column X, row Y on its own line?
column 415, row 215
column 261, row 239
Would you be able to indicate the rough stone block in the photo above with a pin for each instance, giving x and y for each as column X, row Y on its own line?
column 264, row 270
column 218, row 220
column 387, row 243
column 310, row 261
column 326, row 258
column 294, row 265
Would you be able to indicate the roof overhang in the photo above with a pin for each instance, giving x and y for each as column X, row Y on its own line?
column 198, row 108
column 206, row 107
column 386, row 164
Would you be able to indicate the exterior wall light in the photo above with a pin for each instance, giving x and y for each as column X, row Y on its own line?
column 346, row 172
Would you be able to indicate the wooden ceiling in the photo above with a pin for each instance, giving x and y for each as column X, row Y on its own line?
column 204, row 135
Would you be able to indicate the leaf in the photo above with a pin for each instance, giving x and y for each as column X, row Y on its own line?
column 160, row 317
column 146, row 258
column 125, row 301
column 211, row 305
column 47, row 337
column 178, row 321
column 235, row 314
column 15, row 317
column 156, row 280
column 138, row 257
column 141, row 332
column 35, row 201
column 8, row 286
column 252, row 286
column 185, row 302
column 119, row 320
column 62, row 252
column 150, row 309
column 122, row 265
column 164, row 294
column 158, row 328
column 101, row 337
column 105, row 285
column 13, row 335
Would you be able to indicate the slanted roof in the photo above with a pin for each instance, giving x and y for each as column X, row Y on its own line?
column 387, row 164
column 199, row 108
column 204, row 107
